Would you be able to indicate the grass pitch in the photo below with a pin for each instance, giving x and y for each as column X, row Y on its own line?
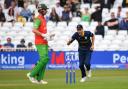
column 101, row 79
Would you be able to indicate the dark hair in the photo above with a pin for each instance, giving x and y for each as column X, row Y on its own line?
column 8, row 39
column 22, row 41
column 9, row 12
column 30, row 44
column 1, row 8
column 79, row 26
column 53, row 11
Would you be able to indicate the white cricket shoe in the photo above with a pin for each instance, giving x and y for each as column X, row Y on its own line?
column 42, row 82
column 83, row 79
column 32, row 79
column 89, row 74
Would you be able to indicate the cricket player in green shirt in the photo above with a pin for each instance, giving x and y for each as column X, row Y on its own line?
column 41, row 36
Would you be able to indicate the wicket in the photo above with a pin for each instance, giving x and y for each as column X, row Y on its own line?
column 70, row 72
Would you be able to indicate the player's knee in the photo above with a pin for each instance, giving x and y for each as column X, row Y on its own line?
column 81, row 66
column 45, row 60
column 87, row 63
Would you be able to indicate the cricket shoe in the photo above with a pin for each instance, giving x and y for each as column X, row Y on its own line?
column 42, row 82
column 83, row 79
column 32, row 79
column 89, row 74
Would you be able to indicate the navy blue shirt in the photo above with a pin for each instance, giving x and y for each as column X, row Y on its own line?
column 84, row 41
column 65, row 16
column 9, row 45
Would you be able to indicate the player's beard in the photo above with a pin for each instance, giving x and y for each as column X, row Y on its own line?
column 43, row 12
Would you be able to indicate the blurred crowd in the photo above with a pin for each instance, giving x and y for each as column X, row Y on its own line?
column 64, row 10
column 22, row 44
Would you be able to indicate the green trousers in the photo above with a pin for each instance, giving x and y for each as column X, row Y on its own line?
column 39, row 69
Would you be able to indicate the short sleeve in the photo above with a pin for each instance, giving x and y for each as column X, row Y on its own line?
column 74, row 37
column 37, row 23
column 91, row 34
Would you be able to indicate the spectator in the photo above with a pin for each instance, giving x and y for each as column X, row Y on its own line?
column 86, row 15
column 69, row 4
column 20, row 3
column 22, row 44
column 7, row 3
column 32, row 7
column 113, row 22
column 106, row 3
column 26, row 13
column 75, row 4
column 125, row 3
column 119, row 13
column 62, row 2
column 78, row 13
column 9, row 44
column 112, row 2
column 10, row 15
column 31, row 19
column 30, row 45
column 2, row 16
column 54, row 16
column 88, row 1
column 15, row 8
column 97, row 15
column 66, row 14
column 36, row 3
column 96, row 1
column 100, row 29
column 123, row 25
column 80, row 1
column 58, row 9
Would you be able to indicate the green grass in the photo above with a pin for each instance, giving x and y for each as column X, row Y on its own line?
column 102, row 79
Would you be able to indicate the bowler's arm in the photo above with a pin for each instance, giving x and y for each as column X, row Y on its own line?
column 93, row 39
column 70, row 41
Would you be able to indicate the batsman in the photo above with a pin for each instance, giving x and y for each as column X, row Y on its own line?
column 41, row 36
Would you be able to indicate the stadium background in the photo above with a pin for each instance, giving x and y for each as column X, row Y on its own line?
column 110, row 49
column 109, row 59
